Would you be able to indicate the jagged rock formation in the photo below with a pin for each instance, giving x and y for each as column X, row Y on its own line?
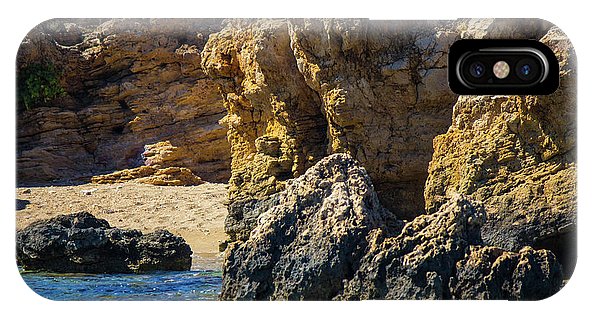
column 310, row 239
column 326, row 236
column 131, row 87
column 298, row 90
column 517, row 155
column 82, row 243
column 492, row 273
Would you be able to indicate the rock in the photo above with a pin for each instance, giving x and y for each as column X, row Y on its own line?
column 82, row 243
column 131, row 85
column 310, row 237
column 492, row 273
column 151, row 175
column 298, row 90
column 517, row 155
column 326, row 236
column 419, row 262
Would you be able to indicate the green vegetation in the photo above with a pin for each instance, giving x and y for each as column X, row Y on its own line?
column 38, row 85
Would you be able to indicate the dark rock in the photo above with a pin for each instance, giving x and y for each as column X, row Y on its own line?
column 243, row 214
column 82, row 243
column 492, row 273
column 327, row 237
column 310, row 238
column 418, row 263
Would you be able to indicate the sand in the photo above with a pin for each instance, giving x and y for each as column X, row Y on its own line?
column 196, row 213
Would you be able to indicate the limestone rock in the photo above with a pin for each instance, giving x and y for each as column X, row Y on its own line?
column 131, row 84
column 309, row 238
column 276, row 128
column 516, row 154
column 82, row 243
column 297, row 90
column 151, row 175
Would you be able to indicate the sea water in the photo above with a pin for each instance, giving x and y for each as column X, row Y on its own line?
column 165, row 285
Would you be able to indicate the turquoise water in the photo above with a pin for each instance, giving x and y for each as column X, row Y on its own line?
column 158, row 286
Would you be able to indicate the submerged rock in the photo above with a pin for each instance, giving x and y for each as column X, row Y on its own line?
column 327, row 237
column 83, row 243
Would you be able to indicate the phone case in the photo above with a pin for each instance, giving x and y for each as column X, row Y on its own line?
column 287, row 159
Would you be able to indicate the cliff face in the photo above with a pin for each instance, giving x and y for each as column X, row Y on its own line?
column 383, row 95
column 135, row 94
column 517, row 155
column 298, row 90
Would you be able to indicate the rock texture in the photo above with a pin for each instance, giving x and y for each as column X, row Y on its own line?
column 81, row 242
column 517, row 155
column 492, row 273
column 298, row 90
column 135, row 95
column 327, row 237
column 151, row 175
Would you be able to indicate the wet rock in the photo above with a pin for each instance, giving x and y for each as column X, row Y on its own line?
column 83, row 243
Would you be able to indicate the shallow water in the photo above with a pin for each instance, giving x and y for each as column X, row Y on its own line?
column 160, row 286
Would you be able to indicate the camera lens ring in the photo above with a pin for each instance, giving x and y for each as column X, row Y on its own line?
column 477, row 69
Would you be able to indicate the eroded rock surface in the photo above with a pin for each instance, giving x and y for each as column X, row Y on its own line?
column 298, row 90
column 492, row 273
column 132, row 87
column 326, row 236
column 310, row 239
column 83, row 243
column 517, row 155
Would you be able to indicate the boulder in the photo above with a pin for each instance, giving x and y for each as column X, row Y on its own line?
column 82, row 243
column 309, row 238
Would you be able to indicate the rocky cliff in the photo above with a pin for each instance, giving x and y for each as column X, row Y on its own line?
column 423, row 193
column 517, row 155
column 383, row 96
column 134, row 94
column 301, row 89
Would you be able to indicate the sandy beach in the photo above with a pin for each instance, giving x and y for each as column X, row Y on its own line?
column 194, row 212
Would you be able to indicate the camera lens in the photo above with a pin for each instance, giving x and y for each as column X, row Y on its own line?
column 527, row 69
column 477, row 69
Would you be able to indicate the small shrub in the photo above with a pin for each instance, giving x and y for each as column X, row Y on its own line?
column 38, row 85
